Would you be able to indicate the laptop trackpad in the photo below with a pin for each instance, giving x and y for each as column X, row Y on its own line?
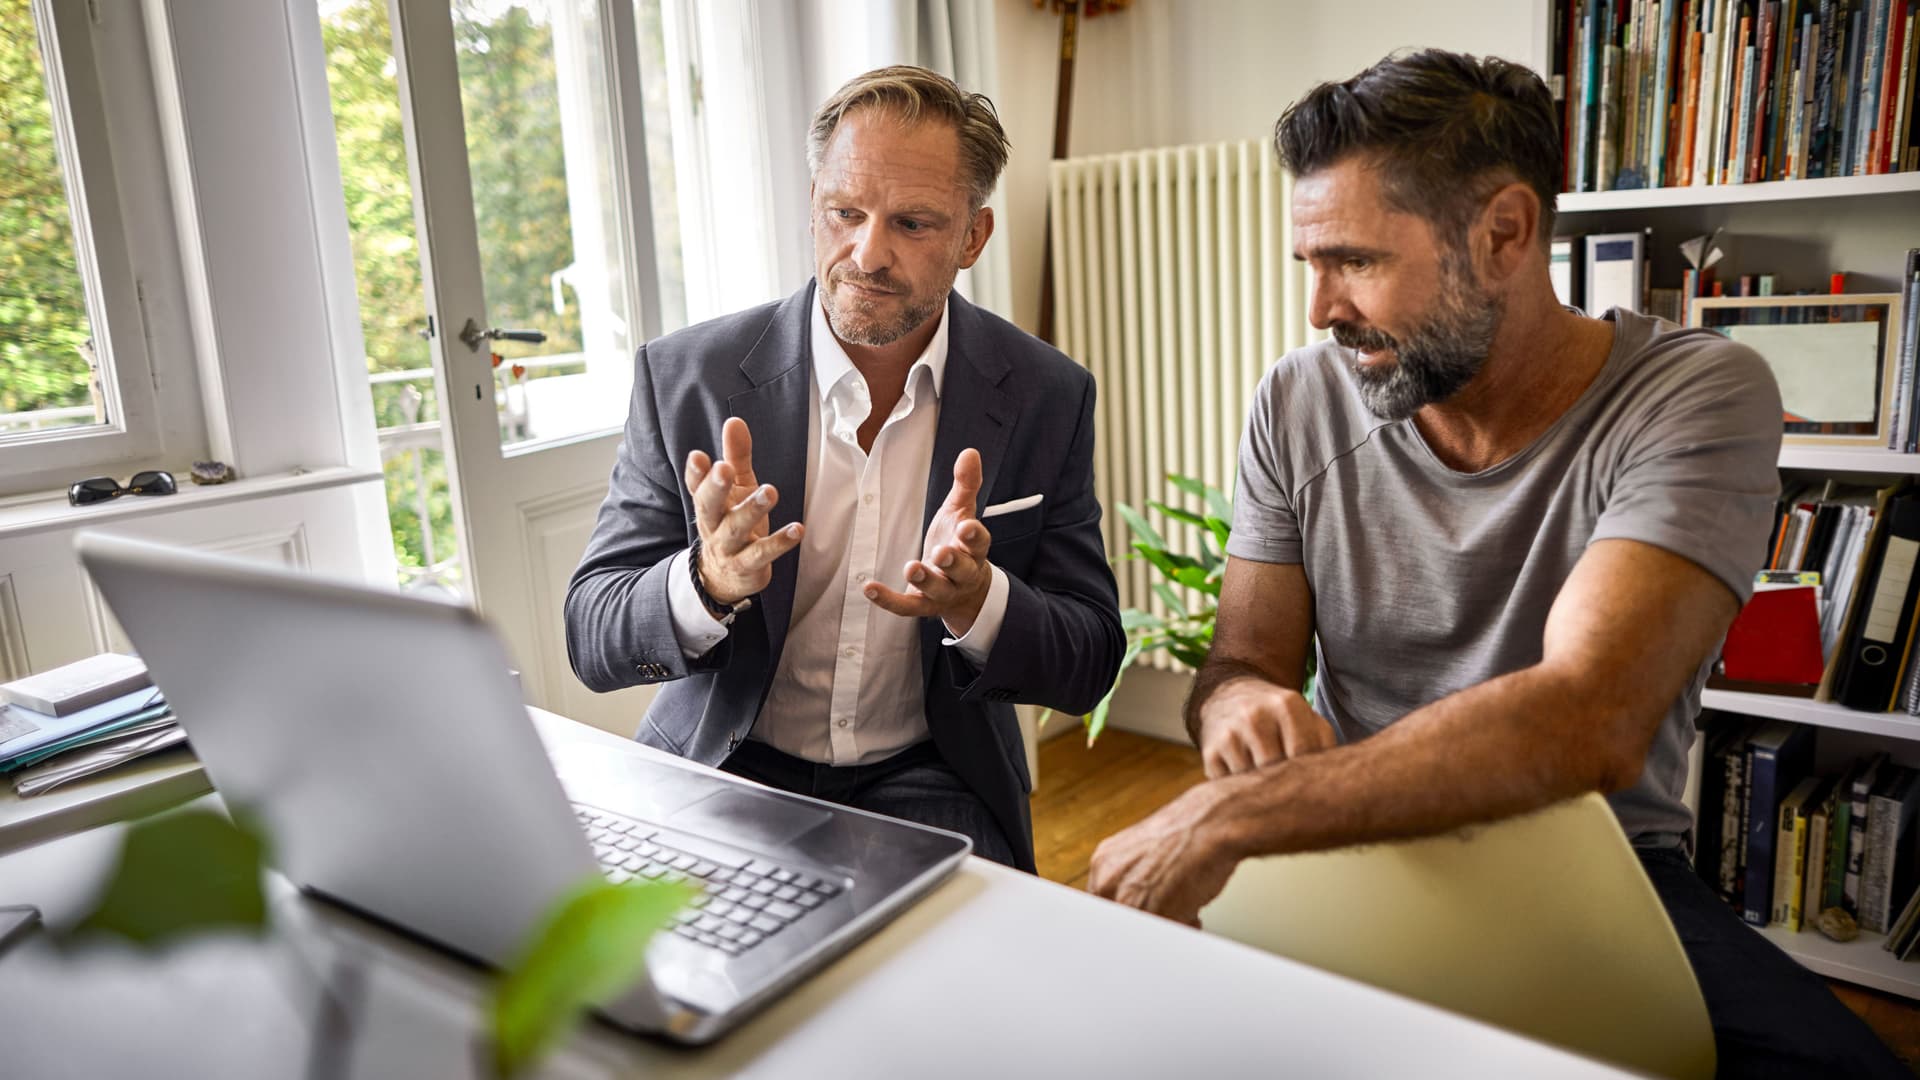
column 748, row 818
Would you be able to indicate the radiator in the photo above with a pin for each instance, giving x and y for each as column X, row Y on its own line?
column 1174, row 285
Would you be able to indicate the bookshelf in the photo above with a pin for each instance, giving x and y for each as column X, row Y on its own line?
column 1861, row 961
column 1799, row 230
column 1837, row 187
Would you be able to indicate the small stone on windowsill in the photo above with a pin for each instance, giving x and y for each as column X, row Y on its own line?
column 211, row 472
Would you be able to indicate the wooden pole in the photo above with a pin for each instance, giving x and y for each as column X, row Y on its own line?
column 1062, row 122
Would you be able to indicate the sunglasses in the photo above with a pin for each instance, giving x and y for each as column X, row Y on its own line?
column 101, row 488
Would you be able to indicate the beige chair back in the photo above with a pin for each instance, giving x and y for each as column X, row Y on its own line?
column 1543, row 924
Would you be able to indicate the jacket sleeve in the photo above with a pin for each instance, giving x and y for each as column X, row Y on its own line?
column 1060, row 644
column 619, row 622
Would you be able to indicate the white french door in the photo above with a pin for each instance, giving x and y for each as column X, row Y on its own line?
column 516, row 132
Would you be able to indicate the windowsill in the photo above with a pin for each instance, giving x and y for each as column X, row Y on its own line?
column 49, row 512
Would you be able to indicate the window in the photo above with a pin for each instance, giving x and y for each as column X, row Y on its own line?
column 75, row 388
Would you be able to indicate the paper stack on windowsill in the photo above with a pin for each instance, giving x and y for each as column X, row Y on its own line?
column 56, row 749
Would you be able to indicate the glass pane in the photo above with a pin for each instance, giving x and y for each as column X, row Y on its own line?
column 655, row 87
column 540, row 144
column 386, row 260
column 50, row 376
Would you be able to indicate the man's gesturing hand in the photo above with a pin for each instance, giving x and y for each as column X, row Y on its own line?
column 1249, row 722
column 951, row 576
column 730, row 508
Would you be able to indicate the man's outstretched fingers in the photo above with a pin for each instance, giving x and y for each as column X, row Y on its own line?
column 764, row 551
column 736, row 443
column 963, row 497
column 714, row 497
column 736, row 530
column 899, row 603
column 697, row 465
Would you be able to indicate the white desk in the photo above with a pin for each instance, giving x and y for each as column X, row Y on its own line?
column 995, row 974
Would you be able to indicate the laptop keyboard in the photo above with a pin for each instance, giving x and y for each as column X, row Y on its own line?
column 743, row 901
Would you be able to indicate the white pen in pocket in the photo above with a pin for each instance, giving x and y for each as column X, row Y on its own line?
column 1012, row 505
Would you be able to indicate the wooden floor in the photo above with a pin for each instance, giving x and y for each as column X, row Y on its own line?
column 1086, row 795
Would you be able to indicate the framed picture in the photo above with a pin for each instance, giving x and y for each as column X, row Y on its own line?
column 1833, row 357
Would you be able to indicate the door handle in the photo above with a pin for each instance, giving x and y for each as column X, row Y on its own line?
column 473, row 335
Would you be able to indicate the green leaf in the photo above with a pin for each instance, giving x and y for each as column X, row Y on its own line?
column 1178, row 514
column 1219, row 507
column 1221, row 530
column 590, row 948
column 1190, row 656
column 179, row 874
column 1140, row 528
column 1134, row 619
column 1188, row 484
column 1097, row 719
column 1170, row 598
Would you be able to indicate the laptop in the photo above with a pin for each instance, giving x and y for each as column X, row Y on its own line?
column 382, row 740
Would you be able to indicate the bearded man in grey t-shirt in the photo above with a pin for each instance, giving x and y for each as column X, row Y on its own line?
column 1514, row 534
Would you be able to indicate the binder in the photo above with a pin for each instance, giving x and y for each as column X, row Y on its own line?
column 1877, row 642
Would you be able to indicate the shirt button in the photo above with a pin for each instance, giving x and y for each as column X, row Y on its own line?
column 860, row 577
column 868, row 499
column 843, row 723
column 850, row 652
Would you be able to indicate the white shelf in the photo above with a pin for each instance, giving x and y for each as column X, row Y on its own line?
column 1861, row 961
column 1846, row 459
column 1807, row 711
column 1837, row 187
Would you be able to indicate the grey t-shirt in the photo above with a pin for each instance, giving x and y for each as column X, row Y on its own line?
column 1427, row 581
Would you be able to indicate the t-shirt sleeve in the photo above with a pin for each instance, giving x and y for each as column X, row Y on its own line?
column 1700, row 476
column 1265, row 528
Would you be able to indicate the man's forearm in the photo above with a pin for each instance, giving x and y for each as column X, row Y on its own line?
column 1507, row 746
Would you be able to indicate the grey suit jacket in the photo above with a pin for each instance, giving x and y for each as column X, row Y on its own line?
column 1026, row 408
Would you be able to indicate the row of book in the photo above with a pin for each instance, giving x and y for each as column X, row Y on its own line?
column 1672, row 93
column 1858, row 556
column 1783, row 842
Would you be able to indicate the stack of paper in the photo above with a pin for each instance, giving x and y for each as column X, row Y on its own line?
column 82, row 742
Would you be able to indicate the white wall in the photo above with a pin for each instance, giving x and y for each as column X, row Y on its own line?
column 1169, row 72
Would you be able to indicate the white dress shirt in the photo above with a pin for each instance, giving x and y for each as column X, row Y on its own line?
column 847, row 689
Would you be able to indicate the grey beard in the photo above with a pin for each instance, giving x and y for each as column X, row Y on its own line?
column 850, row 329
column 1435, row 361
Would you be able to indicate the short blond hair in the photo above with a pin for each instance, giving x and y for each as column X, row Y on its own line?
column 914, row 94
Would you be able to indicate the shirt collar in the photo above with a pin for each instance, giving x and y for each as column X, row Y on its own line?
column 832, row 366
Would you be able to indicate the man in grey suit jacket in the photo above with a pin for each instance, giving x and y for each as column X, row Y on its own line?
column 932, row 465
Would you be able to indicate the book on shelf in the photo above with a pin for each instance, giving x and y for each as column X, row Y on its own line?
column 1779, row 756
column 1887, row 870
column 1690, row 92
column 1730, row 879
column 1716, row 840
column 1899, row 940
column 1790, row 852
column 1839, row 824
column 1819, row 828
column 1859, row 791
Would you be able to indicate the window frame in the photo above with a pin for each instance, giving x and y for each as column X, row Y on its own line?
column 77, row 102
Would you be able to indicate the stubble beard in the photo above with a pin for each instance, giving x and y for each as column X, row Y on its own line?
column 860, row 322
column 1438, row 358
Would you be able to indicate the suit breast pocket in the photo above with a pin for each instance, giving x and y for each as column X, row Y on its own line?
column 1015, row 536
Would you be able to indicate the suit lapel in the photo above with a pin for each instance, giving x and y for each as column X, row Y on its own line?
column 775, row 408
column 975, row 411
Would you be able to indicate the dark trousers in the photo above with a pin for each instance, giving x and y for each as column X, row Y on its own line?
column 1771, row 1017
column 913, row 785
